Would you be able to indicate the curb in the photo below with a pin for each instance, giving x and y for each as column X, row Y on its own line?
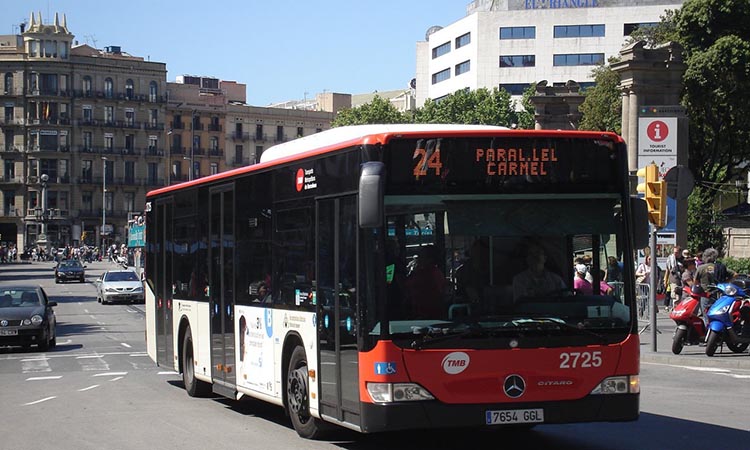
column 727, row 361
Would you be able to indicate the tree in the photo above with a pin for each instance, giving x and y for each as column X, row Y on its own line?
column 703, row 229
column 602, row 107
column 480, row 106
column 715, row 35
column 526, row 120
column 379, row 110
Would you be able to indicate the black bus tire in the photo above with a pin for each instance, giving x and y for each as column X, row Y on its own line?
column 298, row 398
column 193, row 386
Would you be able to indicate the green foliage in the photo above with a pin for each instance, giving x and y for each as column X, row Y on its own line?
column 526, row 119
column 738, row 265
column 480, row 106
column 602, row 107
column 703, row 228
column 379, row 110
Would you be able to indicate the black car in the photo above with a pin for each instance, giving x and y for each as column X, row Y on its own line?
column 70, row 269
column 26, row 317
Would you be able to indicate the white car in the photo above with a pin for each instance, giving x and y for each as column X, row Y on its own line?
column 119, row 286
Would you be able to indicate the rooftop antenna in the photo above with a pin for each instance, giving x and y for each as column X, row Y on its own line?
column 92, row 38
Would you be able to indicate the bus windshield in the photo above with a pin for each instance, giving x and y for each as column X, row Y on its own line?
column 481, row 269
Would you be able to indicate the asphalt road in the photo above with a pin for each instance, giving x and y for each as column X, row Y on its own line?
column 99, row 390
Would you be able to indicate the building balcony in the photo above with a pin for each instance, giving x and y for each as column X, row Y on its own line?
column 11, row 180
column 241, row 162
column 198, row 151
column 11, row 149
column 239, row 136
column 260, row 137
column 214, row 127
column 11, row 212
column 153, row 126
column 154, row 151
column 215, row 153
column 54, row 149
column 11, row 121
column 33, row 121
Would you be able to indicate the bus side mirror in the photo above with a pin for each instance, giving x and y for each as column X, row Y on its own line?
column 640, row 222
column 371, row 189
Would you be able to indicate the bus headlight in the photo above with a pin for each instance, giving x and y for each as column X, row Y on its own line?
column 397, row 392
column 618, row 385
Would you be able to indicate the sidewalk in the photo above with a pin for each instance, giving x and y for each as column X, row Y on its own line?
column 690, row 355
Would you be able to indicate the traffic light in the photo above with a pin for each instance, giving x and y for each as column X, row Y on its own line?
column 655, row 193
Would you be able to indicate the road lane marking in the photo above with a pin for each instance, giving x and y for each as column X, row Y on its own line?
column 35, row 365
column 92, row 362
column 116, row 379
column 109, row 374
column 138, row 354
column 125, row 345
column 88, row 388
column 52, row 377
column 39, row 401
column 167, row 373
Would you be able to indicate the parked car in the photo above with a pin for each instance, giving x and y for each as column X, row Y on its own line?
column 26, row 317
column 70, row 269
column 119, row 286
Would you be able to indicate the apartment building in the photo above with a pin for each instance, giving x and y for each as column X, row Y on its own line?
column 511, row 44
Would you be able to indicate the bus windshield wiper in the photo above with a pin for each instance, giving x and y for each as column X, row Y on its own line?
column 558, row 323
column 430, row 335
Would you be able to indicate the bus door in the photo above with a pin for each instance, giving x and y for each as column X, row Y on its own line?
column 337, row 307
column 221, row 288
column 164, row 332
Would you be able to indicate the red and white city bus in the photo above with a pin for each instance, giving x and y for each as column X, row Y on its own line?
column 368, row 277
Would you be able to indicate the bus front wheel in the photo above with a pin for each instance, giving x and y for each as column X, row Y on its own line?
column 193, row 386
column 298, row 398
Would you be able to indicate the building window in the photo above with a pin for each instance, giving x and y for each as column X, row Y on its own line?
column 629, row 28
column 463, row 67
column 109, row 115
column 129, row 198
column 518, row 33
column 129, row 172
column 152, row 173
column 213, row 144
column 213, row 168
column 279, row 133
column 153, row 91
column 108, row 141
column 300, row 132
column 578, row 31
column 464, row 39
column 130, row 118
column 86, row 86
column 129, row 142
column 8, row 86
column 153, row 117
column 88, row 116
column 238, row 154
column 441, row 50
column 152, row 143
column 441, row 76
column 515, row 88
column 258, row 132
column 129, row 89
column 258, row 152
column 108, row 88
column 518, row 61
column 87, row 140
column 87, row 203
column 578, row 59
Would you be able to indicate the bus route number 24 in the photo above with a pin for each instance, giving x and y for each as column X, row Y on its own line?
column 583, row 360
column 426, row 161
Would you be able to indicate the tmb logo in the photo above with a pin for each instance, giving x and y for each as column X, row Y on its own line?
column 300, row 180
column 455, row 362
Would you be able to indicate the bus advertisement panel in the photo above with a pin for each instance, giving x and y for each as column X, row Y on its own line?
column 390, row 277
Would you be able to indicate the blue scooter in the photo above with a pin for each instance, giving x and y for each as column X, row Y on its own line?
column 729, row 319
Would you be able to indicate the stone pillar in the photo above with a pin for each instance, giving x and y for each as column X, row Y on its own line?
column 556, row 107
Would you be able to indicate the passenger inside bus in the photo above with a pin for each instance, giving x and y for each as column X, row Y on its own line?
column 426, row 285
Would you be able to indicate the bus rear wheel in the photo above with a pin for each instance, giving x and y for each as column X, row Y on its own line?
column 193, row 386
column 298, row 398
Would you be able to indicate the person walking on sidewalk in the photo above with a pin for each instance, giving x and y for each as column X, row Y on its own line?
column 674, row 277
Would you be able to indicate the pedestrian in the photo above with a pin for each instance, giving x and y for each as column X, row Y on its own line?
column 688, row 276
column 707, row 275
column 673, row 277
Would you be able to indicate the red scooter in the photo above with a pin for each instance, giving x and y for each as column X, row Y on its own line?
column 690, row 327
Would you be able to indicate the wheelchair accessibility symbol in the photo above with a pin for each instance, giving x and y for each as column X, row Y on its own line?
column 385, row 368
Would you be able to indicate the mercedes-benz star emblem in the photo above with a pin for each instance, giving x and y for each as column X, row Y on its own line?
column 514, row 386
column 3, row 323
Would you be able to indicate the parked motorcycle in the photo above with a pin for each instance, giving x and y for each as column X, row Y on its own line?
column 729, row 319
column 690, row 327
column 122, row 260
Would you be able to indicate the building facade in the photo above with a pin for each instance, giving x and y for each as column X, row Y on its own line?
column 511, row 44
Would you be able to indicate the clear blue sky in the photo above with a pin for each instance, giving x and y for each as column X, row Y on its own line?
column 279, row 48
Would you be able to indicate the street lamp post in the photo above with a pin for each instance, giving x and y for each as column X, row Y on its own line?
column 42, row 241
column 104, row 199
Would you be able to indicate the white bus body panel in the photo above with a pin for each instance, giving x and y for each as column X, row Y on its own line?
column 197, row 315
column 150, row 307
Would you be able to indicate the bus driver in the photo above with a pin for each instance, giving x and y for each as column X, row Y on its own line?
column 536, row 280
